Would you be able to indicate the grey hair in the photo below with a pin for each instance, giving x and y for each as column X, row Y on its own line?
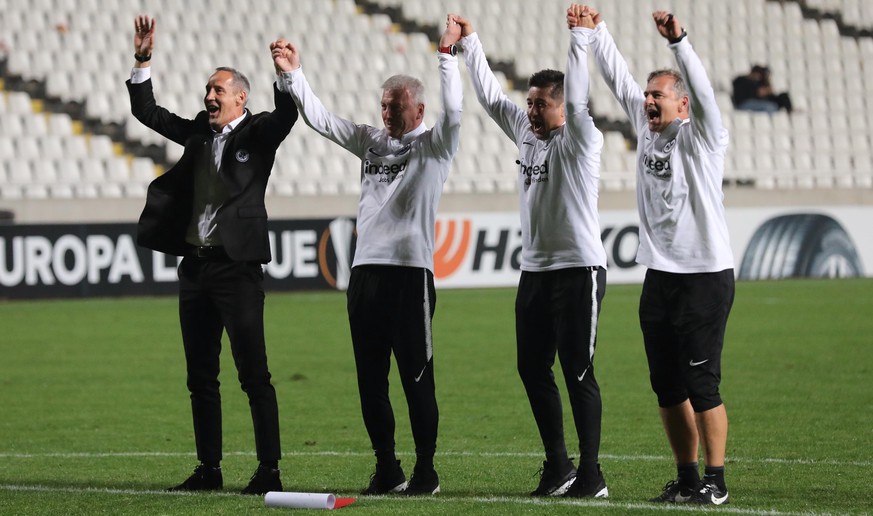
column 405, row 82
column 238, row 80
column 678, row 82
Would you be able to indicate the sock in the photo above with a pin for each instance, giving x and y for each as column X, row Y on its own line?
column 715, row 475
column 687, row 474
column 211, row 464
column 271, row 464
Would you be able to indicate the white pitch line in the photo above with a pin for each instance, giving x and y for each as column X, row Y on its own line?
column 747, row 460
column 441, row 498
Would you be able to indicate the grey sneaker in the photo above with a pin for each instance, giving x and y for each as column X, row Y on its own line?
column 674, row 492
column 707, row 493
column 554, row 480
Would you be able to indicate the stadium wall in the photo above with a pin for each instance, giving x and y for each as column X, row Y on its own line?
column 472, row 249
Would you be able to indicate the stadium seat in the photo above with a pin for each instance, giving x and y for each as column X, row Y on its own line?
column 27, row 147
column 827, row 74
column 100, row 146
column 19, row 172
column 142, row 170
column 117, row 169
column 45, row 172
column 7, row 148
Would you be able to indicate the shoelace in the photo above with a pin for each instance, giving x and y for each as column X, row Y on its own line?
column 708, row 488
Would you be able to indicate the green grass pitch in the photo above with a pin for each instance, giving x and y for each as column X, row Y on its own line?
column 94, row 414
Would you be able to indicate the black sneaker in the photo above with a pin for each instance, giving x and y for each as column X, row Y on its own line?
column 595, row 488
column 707, row 493
column 674, row 492
column 204, row 478
column 554, row 481
column 425, row 482
column 386, row 479
column 264, row 480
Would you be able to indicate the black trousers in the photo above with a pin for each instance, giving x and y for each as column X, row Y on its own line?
column 557, row 311
column 217, row 295
column 391, row 309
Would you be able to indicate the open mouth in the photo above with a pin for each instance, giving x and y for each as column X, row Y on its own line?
column 537, row 126
column 212, row 109
column 653, row 114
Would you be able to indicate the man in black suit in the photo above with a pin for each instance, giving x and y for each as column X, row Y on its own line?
column 209, row 208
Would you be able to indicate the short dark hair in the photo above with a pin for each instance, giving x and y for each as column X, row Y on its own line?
column 548, row 79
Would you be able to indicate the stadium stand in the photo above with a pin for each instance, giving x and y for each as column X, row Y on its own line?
column 66, row 132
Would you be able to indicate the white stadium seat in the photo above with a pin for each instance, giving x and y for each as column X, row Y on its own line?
column 348, row 53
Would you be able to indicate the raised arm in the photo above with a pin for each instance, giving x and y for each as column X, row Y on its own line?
column 703, row 106
column 511, row 118
column 275, row 127
column 447, row 129
column 143, row 41
column 576, row 81
column 286, row 58
column 614, row 70
column 142, row 99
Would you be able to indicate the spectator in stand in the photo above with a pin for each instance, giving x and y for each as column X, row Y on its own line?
column 753, row 92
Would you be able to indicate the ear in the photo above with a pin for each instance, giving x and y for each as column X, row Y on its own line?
column 420, row 111
column 683, row 105
column 242, row 97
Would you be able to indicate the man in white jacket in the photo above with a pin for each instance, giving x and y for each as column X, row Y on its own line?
column 391, row 296
column 689, row 286
column 563, row 263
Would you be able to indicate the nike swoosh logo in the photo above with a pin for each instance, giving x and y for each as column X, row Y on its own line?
column 375, row 153
column 417, row 378
column 718, row 501
column 581, row 376
column 692, row 363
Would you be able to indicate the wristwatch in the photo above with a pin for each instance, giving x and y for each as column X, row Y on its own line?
column 451, row 49
column 680, row 38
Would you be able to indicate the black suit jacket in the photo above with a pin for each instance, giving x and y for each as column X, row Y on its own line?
column 245, row 168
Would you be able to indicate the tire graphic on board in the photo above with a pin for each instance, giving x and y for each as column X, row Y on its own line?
column 800, row 246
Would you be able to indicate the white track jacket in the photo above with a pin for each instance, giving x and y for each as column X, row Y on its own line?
column 558, row 178
column 679, row 171
column 401, row 180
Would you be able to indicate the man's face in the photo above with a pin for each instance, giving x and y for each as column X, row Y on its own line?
column 223, row 101
column 544, row 112
column 663, row 104
column 400, row 112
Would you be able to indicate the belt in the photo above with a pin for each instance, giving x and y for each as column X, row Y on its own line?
column 204, row 252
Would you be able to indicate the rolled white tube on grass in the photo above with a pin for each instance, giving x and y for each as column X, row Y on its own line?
column 299, row 500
